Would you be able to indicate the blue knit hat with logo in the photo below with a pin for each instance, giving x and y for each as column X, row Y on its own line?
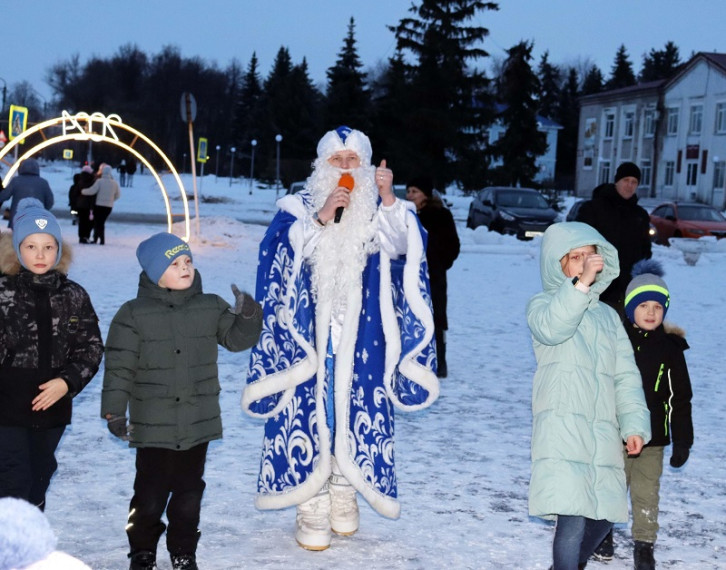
column 32, row 218
column 646, row 285
column 158, row 252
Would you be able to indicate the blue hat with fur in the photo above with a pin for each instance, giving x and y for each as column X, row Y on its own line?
column 32, row 218
column 157, row 253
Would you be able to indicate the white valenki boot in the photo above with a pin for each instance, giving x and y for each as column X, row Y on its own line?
column 344, row 515
column 312, row 530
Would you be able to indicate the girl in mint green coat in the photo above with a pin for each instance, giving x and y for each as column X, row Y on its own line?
column 587, row 395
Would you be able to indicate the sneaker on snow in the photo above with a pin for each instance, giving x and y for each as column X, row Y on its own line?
column 606, row 550
column 143, row 560
column 312, row 522
column 184, row 562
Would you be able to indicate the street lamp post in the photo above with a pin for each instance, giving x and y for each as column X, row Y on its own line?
column 253, row 142
column 216, row 165
column 278, row 139
column 5, row 94
column 231, row 164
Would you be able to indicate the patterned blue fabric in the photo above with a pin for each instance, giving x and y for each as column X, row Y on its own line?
column 288, row 380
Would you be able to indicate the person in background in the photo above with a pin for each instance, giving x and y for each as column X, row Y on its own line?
column 614, row 212
column 27, row 183
column 161, row 366
column 84, row 204
column 587, row 395
column 50, row 349
column 658, row 349
column 348, row 337
column 442, row 249
column 106, row 191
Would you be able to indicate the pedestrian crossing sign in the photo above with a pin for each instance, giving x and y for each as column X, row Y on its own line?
column 18, row 121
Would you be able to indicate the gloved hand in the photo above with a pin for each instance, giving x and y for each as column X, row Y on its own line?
column 244, row 303
column 118, row 427
column 679, row 456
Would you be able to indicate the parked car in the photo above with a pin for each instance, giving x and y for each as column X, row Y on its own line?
column 295, row 187
column 686, row 219
column 523, row 212
column 574, row 209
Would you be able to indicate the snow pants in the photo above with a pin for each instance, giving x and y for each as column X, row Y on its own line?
column 27, row 461
column 159, row 474
column 642, row 475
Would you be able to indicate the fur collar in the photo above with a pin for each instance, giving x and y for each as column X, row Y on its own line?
column 10, row 265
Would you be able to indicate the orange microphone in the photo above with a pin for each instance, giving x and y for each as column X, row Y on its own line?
column 347, row 182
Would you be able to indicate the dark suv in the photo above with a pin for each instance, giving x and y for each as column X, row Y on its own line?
column 523, row 212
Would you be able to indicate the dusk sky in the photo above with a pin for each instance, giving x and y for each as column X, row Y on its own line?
column 39, row 33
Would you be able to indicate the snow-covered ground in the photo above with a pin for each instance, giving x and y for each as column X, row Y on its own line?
column 463, row 464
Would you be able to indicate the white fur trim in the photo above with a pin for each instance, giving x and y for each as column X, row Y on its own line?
column 409, row 367
column 356, row 141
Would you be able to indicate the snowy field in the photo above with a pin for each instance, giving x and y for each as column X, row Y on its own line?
column 463, row 465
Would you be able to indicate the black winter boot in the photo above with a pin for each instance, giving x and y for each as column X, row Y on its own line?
column 643, row 556
column 184, row 562
column 606, row 550
column 143, row 560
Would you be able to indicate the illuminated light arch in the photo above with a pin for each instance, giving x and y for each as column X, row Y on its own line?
column 80, row 127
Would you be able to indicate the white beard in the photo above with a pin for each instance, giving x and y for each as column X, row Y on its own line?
column 341, row 254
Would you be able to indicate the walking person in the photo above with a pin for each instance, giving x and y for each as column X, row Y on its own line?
column 106, row 190
column 84, row 204
column 50, row 349
column 587, row 396
column 442, row 249
column 161, row 366
column 658, row 348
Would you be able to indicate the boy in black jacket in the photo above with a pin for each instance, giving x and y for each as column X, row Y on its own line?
column 667, row 386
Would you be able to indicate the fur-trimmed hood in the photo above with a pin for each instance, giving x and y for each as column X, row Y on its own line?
column 10, row 264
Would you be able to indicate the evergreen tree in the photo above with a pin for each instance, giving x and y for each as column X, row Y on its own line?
column 390, row 92
column 292, row 107
column 248, row 111
column 447, row 107
column 660, row 64
column 568, row 115
column 347, row 99
column 550, row 78
column 593, row 82
column 522, row 142
column 621, row 74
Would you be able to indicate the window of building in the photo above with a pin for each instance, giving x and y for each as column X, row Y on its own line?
column 645, row 173
column 628, row 125
column 670, row 170
column 696, row 120
column 672, row 121
column 719, row 174
column 604, row 172
column 649, row 122
column 692, row 174
column 609, row 125
column 721, row 118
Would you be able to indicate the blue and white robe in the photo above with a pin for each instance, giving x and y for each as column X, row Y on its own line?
column 385, row 357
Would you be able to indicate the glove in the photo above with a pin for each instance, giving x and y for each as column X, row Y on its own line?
column 244, row 304
column 679, row 456
column 117, row 426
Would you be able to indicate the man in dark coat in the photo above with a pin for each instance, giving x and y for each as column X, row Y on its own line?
column 615, row 213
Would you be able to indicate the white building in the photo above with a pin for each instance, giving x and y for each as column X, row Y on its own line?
column 674, row 129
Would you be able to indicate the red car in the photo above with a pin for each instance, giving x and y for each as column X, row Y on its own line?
column 688, row 220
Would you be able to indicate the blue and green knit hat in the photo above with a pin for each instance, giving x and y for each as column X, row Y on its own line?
column 646, row 285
